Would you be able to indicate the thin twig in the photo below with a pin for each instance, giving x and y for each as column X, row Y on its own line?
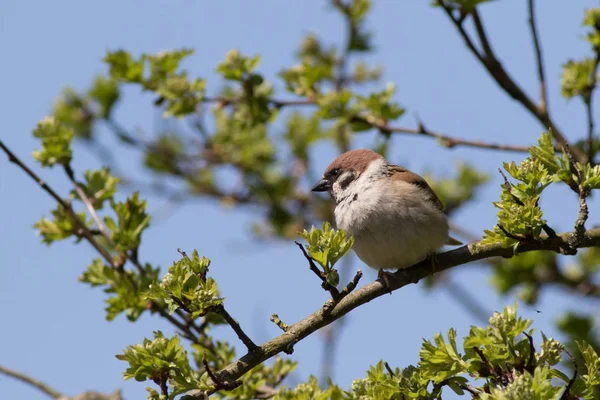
column 313, row 267
column 486, row 362
column 88, row 203
column 565, row 395
column 389, row 369
column 538, row 57
column 530, row 366
column 31, row 381
column 277, row 321
column 351, row 285
column 444, row 140
column 250, row 345
column 491, row 63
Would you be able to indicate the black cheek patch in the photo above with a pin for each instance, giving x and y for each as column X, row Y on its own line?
column 346, row 180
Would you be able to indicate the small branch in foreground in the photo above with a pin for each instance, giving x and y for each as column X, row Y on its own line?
column 250, row 345
column 351, row 285
column 538, row 57
column 277, row 321
column 30, row 381
column 335, row 294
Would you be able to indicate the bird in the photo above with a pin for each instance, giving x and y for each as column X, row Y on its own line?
column 394, row 216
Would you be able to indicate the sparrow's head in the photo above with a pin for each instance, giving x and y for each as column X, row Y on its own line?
column 344, row 170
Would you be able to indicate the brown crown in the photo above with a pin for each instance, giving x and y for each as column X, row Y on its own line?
column 357, row 160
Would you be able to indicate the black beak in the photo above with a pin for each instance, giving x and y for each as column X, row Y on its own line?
column 322, row 186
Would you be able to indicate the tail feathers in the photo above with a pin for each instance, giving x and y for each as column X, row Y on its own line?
column 453, row 242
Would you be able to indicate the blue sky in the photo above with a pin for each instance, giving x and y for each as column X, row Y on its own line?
column 54, row 327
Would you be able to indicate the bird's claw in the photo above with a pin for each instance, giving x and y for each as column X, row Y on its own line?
column 384, row 277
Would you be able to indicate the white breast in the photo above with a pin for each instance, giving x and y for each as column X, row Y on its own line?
column 392, row 229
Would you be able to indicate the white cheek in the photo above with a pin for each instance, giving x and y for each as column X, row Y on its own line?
column 341, row 187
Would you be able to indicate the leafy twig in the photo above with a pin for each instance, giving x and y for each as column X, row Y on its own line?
column 335, row 294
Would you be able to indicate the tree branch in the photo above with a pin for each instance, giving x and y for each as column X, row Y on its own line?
column 30, row 381
column 335, row 294
column 538, row 57
column 444, row 140
column 86, row 233
column 491, row 63
column 82, row 230
column 250, row 345
column 320, row 318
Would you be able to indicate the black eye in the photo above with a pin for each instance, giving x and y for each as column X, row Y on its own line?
column 334, row 172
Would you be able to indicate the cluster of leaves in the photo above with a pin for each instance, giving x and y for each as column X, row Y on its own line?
column 163, row 361
column 579, row 77
column 186, row 286
column 500, row 362
column 520, row 218
column 326, row 246
column 158, row 73
column 125, row 288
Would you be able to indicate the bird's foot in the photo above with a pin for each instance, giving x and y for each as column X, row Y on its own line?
column 434, row 263
column 385, row 277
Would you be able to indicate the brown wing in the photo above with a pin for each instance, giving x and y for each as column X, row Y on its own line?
column 405, row 175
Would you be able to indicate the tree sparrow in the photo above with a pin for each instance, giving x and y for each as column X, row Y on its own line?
column 396, row 219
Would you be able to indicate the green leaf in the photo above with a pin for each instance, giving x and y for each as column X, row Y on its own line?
column 326, row 246
column 592, row 364
column 105, row 92
column 56, row 142
column 161, row 360
column 236, row 67
column 132, row 221
column 59, row 228
column 99, row 186
column 578, row 79
column 186, row 284
column 123, row 67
